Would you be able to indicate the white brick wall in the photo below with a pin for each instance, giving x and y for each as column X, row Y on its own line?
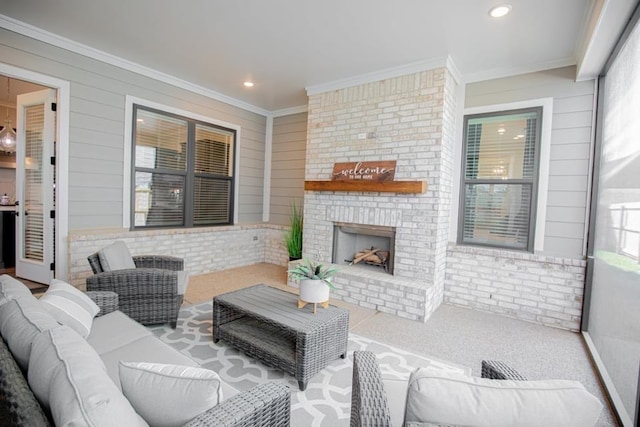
column 203, row 249
column 414, row 119
column 540, row 289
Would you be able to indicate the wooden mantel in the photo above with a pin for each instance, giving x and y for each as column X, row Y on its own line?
column 405, row 187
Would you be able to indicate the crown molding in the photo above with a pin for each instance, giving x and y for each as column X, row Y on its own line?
column 289, row 111
column 39, row 34
column 388, row 73
column 499, row 73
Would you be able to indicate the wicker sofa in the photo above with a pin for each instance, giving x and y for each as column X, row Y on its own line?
column 115, row 337
column 378, row 402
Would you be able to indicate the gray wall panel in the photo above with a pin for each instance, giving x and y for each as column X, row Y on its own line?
column 97, row 119
column 570, row 146
column 287, row 166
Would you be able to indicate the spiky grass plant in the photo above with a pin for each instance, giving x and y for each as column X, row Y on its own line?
column 293, row 237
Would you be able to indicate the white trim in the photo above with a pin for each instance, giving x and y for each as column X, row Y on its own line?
column 514, row 71
column 266, row 189
column 590, row 176
column 545, row 156
column 403, row 70
column 455, row 72
column 607, row 20
column 457, row 163
column 289, row 111
column 62, row 158
column 82, row 49
column 128, row 122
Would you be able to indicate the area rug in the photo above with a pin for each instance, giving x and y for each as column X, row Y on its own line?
column 327, row 399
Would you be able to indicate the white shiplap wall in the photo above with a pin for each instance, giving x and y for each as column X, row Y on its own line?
column 571, row 138
column 287, row 165
column 97, row 123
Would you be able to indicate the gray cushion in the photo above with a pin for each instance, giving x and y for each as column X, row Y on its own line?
column 21, row 320
column 11, row 288
column 396, row 391
column 114, row 330
column 444, row 398
column 67, row 376
column 115, row 256
column 169, row 395
column 70, row 306
column 183, row 282
column 146, row 349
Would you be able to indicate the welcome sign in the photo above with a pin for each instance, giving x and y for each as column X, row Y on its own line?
column 364, row 171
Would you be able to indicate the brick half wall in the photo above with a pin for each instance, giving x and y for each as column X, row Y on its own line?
column 203, row 249
column 539, row 289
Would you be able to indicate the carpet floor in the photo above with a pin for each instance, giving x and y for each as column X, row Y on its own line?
column 455, row 334
column 327, row 399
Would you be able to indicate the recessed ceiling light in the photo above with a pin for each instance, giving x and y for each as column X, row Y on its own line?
column 248, row 84
column 500, row 11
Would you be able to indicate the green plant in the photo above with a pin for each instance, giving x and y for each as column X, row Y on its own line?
column 293, row 237
column 313, row 270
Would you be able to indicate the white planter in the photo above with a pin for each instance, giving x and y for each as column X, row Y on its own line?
column 315, row 291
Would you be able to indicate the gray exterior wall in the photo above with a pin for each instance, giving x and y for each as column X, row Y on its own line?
column 287, row 165
column 97, row 123
column 570, row 147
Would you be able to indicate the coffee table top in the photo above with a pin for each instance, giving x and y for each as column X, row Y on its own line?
column 279, row 306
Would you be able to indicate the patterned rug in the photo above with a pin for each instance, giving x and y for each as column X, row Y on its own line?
column 327, row 399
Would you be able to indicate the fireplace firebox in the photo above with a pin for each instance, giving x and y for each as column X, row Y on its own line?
column 367, row 246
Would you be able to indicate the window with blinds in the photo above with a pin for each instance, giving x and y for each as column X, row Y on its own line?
column 33, row 229
column 499, row 179
column 183, row 171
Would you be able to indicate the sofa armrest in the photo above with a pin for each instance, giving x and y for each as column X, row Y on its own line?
column 18, row 405
column 369, row 406
column 163, row 262
column 106, row 300
column 135, row 282
column 496, row 370
column 264, row 405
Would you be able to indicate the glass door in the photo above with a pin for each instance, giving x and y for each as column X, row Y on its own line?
column 34, row 186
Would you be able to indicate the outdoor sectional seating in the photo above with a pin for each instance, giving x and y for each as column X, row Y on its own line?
column 502, row 397
column 113, row 338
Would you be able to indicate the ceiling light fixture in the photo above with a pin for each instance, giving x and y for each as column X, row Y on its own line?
column 248, row 84
column 7, row 134
column 500, row 11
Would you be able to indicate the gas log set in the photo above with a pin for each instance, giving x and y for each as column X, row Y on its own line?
column 372, row 256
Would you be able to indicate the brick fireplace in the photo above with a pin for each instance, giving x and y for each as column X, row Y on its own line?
column 409, row 119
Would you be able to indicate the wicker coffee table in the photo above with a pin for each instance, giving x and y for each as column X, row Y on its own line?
column 265, row 323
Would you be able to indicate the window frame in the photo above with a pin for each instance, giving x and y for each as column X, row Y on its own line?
column 189, row 173
column 534, row 181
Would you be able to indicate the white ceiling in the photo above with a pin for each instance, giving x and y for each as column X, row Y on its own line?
column 285, row 46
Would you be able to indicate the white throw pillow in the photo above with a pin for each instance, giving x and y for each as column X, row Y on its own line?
column 70, row 306
column 11, row 288
column 68, row 377
column 169, row 395
column 444, row 398
column 21, row 321
column 116, row 256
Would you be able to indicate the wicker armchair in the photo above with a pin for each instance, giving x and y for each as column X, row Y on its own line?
column 369, row 405
column 148, row 293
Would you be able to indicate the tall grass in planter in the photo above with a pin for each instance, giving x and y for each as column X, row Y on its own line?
column 293, row 237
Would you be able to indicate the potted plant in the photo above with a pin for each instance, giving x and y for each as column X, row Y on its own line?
column 293, row 237
column 315, row 283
